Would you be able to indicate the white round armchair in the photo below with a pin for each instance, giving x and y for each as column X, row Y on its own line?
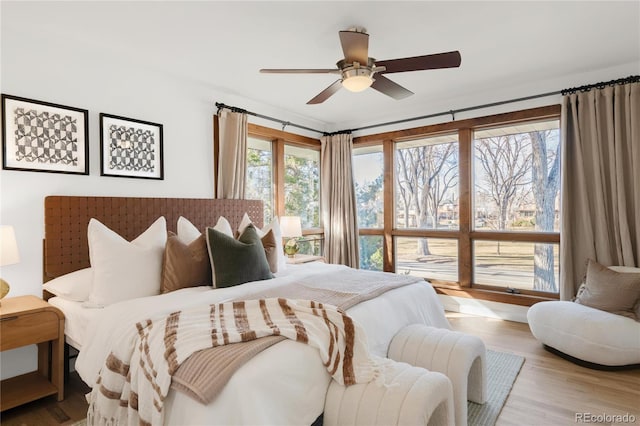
column 591, row 337
column 585, row 333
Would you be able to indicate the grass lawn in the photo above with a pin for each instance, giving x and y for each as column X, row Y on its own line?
column 507, row 264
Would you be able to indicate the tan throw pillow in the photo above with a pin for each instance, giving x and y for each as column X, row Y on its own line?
column 609, row 290
column 185, row 265
column 277, row 233
column 270, row 249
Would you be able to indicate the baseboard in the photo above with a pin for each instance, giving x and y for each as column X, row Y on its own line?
column 484, row 308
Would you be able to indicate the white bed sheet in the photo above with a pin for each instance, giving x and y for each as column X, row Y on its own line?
column 76, row 319
column 285, row 384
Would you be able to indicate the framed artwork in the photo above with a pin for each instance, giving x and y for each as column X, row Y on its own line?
column 130, row 148
column 44, row 137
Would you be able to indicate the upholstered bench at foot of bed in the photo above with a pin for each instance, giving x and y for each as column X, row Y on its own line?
column 461, row 357
column 410, row 396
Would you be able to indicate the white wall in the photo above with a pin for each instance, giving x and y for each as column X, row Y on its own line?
column 63, row 69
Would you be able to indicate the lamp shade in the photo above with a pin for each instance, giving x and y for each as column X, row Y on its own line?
column 290, row 226
column 357, row 83
column 8, row 246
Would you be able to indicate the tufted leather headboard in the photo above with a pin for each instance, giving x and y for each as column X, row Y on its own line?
column 66, row 219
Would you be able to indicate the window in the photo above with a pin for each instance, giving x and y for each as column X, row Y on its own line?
column 311, row 244
column 516, row 265
column 427, row 183
column 475, row 204
column 283, row 170
column 302, row 185
column 259, row 182
column 368, row 175
column 516, row 190
column 517, row 178
column 371, row 252
column 440, row 263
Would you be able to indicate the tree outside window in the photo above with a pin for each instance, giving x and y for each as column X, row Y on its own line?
column 427, row 185
column 302, row 185
column 368, row 173
column 259, row 179
column 517, row 181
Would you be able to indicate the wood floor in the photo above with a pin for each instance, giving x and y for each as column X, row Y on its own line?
column 548, row 391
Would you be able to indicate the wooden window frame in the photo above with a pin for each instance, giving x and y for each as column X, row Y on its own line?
column 465, row 235
column 279, row 139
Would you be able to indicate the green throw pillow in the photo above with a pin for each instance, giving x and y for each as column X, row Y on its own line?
column 238, row 261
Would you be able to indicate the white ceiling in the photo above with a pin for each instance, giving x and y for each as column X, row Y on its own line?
column 222, row 45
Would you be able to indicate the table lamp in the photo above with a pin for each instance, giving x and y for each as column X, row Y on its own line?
column 8, row 254
column 291, row 227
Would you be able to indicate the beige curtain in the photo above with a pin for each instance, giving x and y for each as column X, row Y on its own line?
column 338, row 201
column 232, row 154
column 601, row 181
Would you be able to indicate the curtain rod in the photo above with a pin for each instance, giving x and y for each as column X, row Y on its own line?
column 266, row 117
column 601, row 85
column 563, row 92
column 586, row 88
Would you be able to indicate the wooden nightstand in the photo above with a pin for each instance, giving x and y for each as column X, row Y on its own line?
column 28, row 320
column 304, row 258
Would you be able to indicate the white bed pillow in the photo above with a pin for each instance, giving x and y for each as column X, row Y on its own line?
column 275, row 227
column 74, row 286
column 125, row 270
column 188, row 233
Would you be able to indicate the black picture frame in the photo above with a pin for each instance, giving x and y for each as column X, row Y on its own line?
column 131, row 148
column 39, row 136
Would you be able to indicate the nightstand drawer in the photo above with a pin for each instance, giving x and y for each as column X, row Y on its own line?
column 27, row 329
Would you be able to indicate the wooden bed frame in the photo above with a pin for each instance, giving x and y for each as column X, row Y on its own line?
column 65, row 247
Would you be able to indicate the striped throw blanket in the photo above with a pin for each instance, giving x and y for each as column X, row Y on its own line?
column 135, row 379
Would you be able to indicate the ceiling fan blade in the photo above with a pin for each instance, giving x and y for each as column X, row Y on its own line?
column 326, row 93
column 355, row 46
column 418, row 63
column 390, row 88
column 300, row 71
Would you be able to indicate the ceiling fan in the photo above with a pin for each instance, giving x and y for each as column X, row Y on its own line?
column 358, row 71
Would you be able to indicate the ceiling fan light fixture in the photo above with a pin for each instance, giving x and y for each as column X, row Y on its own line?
column 357, row 83
column 357, row 68
column 357, row 79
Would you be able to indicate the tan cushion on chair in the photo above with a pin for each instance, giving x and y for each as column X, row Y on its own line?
column 610, row 291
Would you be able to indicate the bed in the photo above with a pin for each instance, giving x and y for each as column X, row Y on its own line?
column 284, row 384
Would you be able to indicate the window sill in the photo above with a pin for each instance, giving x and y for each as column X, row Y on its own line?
column 491, row 295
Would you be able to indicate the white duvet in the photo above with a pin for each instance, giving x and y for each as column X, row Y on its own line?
column 283, row 385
